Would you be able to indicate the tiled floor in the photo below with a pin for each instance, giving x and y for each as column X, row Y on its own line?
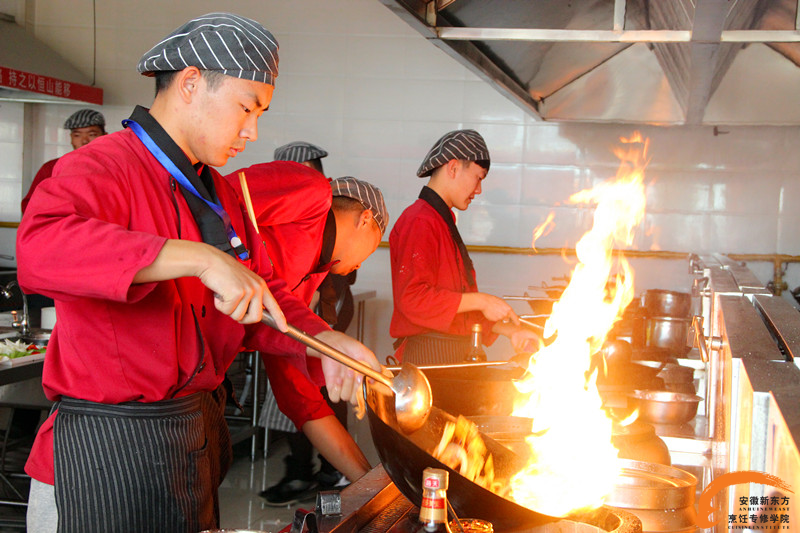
column 241, row 506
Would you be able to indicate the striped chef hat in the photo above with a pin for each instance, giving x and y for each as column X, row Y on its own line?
column 464, row 145
column 369, row 195
column 224, row 42
column 299, row 152
column 83, row 118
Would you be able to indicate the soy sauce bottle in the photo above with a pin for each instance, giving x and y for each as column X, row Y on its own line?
column 476, row 353
column 433, row 511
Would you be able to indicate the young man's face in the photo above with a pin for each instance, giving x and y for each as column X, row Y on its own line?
column 352, row 250
column 225, row 118
column 467, row 184
column 80, row 136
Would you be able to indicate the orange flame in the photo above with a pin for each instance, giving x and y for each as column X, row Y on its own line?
column 573, row 463
column 543, row 229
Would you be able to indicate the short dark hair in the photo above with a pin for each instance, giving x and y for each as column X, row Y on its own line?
column 164, row 79
column 316, row 164
column 345, row 203
column 484, row 164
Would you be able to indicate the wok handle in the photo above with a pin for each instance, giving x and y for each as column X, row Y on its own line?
column 325, row 349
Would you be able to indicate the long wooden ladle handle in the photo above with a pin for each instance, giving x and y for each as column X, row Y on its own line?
column 248, row 202
column 325, row 349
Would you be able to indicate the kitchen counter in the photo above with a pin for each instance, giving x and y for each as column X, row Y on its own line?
column 751, row 417
column 21, row 372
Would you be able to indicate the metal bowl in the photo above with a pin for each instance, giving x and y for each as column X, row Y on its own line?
column 658, row 302
column 642, row 485
column 665, row 407
column 668, row 332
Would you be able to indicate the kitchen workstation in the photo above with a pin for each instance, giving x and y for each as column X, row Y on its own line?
column 640, row 216
column 715, row 391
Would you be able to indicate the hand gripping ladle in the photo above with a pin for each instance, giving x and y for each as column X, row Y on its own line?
column 412, row 391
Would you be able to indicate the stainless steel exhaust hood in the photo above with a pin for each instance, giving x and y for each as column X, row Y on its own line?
column 648, row 61
column 31, row 71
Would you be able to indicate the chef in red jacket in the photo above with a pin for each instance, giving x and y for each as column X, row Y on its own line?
column 84, row 125
column 436, row 297
column 159, row 279
column 312, row 228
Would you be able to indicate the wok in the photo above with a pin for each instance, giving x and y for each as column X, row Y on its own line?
column 474, row 389
column 404, row 457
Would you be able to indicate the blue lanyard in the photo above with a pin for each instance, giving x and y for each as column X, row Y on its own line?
column 176, row 173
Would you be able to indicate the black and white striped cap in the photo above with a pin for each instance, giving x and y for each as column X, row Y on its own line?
column 464, row 145
column 299, row 152
column 224, row 42
column 369, row 195
column 83, row 118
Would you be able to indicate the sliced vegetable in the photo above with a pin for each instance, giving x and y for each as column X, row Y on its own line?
column 15, row 349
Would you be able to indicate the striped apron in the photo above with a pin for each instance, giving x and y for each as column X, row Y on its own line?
column 436, row 349
column 144, row 467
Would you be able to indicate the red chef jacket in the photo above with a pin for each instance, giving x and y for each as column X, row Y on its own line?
column 292, row 203
column 45, row 172
column 429, row 277
column 104, row 215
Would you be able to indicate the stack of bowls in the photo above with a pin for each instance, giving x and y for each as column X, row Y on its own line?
column 668, row 319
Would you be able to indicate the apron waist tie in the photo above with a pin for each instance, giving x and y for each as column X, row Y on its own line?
column 171, row 407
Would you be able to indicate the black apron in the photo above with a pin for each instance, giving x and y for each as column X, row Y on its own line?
column 436, row 349
column 143, row 467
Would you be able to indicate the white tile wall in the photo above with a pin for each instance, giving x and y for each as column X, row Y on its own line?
column 11, row 151
column 361, row 83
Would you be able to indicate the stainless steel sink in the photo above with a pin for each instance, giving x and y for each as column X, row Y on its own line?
column 34, row 336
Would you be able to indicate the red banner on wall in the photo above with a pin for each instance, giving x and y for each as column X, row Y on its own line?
column 27, row 81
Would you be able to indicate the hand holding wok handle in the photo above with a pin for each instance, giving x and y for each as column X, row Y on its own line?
column 327, row 350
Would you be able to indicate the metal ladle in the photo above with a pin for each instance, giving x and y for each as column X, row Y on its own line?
column 412, row 391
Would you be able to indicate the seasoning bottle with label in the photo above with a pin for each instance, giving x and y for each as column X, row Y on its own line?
column 476, row 353
column 433, row 511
